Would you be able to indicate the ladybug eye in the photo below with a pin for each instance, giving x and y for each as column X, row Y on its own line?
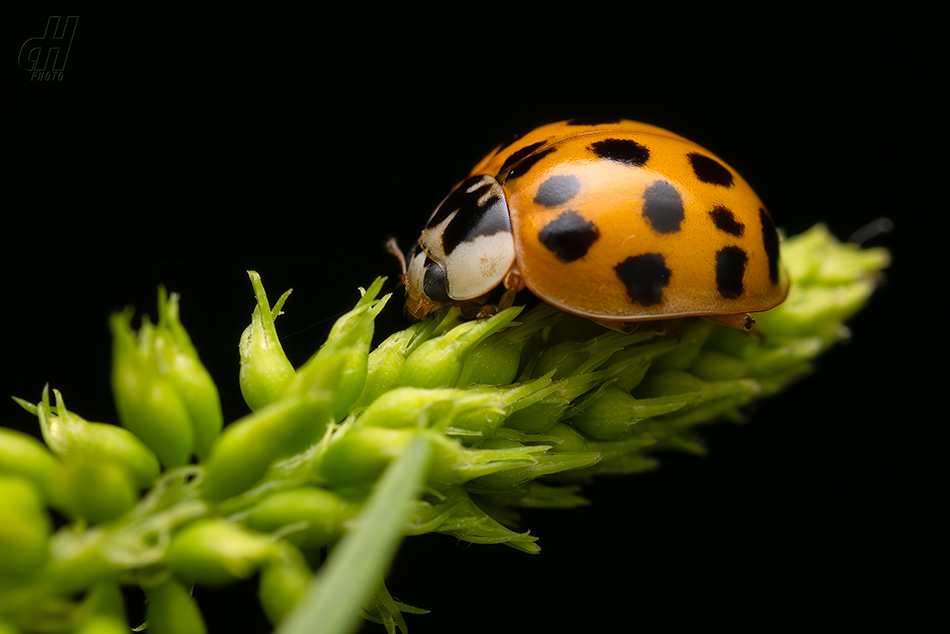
column 434, row 284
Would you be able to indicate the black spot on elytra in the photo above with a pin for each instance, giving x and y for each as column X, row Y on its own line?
column 523, row 166
column 726, row 221
column 645, row 277
column 433, row 282
column 518, row 155
column 710, row 170
column 592, row 121
column 569, row 236
column 557, row 190
column 663, row 207
column 623, row 151
column 770, row 242
column 730, row 269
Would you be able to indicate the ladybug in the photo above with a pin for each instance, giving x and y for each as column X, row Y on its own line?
column 617, row 221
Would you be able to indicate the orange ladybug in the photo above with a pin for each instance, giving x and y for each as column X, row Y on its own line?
column 616, row 221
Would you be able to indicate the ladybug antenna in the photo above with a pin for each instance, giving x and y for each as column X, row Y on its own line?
column 393, row 247
column 872, row 230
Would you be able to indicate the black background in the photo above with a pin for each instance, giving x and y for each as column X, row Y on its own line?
column 184, row 149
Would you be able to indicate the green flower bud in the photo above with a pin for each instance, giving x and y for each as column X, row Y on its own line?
column 93, row 489
column 145, row 396
column 265, row 370
column 610, row 413
column 285, row 576
column 172, row 610
column 340, row 366
column 385, row 363
column 572, row 358
column 322, row 511
column 217, row 552
column 616, row 456
column 542, row 414
column 103, row 624
column 360, row 456
column 457, row 515
column 496, row 360
column 248, row 446
column 21, row 454
column 438, row 362
column 24, row 526
column 69, row 435
column 189, row 376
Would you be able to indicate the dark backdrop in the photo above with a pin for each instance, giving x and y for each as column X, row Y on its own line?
column 184, row 149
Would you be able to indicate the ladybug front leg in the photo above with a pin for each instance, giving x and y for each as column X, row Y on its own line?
column 513, row 284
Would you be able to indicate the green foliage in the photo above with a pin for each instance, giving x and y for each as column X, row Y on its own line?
column 446, row 427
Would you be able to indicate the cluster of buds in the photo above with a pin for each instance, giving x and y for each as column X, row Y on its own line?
column 443, row 427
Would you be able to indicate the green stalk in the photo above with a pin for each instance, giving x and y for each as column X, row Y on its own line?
column 356, row 565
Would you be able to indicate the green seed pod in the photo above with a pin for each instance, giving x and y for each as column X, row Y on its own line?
column 461, row 518
column 360, row 455
column 438, row 362
column 21, row 454
column 248, row 446
column 552, row 406
column 285, row 576
column 93, row 489
column 497, row 359
column 456, row 412
column 102, row 610
column 24, row 526
column 265, row 370
column 340, row 366
column 188, row 375
column 323, row 511
column 69, row 435
column 172, row 610
column 610, row 413
column 148, row 404
column 569, row 358
column 217, row 552
column 103, row 624
column 385, row 363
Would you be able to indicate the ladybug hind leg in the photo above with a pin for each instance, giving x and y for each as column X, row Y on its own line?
column 739, row 321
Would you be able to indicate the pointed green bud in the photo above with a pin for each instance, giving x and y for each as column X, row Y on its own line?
column 22, row 454
column 186, row 372
column 148, row 403
column 496, row 360
column 323, row 513
column 247, row 447
column 610, row 412
column 92, row 489
column 384, row 367
column 556, row 401
column 265, row 370
column 340, row 366
column 217, row 552
column 438, row 362
column 457, row 515
column 360, row 456
column 69, row 435
column 24, row 526
column 172, row 610
column 285, row 576
column 572, row 358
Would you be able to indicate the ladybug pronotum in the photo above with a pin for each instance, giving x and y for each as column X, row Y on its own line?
column 616, row 221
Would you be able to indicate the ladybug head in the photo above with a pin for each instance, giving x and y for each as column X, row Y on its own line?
column 464, row 251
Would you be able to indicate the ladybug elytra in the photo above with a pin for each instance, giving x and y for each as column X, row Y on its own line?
column 616, row 221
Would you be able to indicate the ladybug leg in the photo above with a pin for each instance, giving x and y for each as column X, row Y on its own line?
column 739, row 321
column 393, row 248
